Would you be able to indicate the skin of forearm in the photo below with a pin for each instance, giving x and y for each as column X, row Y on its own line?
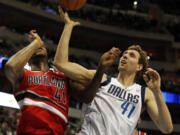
column 91, row 89
column 164, row 118
column 62, row 51
column 20, row 59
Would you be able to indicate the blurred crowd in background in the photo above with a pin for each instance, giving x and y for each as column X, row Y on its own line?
column 116, row 13
column 8, row 121
column 144, row 16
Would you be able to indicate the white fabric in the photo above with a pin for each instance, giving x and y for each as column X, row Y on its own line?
column 27, row 101
column 109, row 111
column 27, row 67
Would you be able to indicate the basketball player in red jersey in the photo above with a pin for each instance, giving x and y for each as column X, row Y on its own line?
column 43, row 93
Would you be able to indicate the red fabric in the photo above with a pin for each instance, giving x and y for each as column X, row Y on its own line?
column 142, row 133
column 38, row 120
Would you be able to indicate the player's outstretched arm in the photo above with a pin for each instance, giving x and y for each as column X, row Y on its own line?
column 14, row 68
column 88, row 93
column 72, row 70
column 156, row 106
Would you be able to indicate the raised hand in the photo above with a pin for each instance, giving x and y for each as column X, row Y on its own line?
column 34, row 36
column 110, row 57
column 65, row 17
column 154, row 82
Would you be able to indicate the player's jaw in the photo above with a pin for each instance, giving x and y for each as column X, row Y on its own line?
column 122, row 64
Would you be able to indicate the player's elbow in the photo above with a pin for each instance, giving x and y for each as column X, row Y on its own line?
column 10, row 72
column 168, row 130
column 59, row 65
column 8, row 69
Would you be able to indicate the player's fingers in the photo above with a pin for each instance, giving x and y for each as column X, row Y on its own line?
column 32, row 32
column 153, row 74
column 149, row 71
column 66, row 15
column 30, row 37
column 116, row 54
column 149, row 74
column 113, row 54
column 61, row 12
column 116, row 50
column 145, row 78
column 114, row 57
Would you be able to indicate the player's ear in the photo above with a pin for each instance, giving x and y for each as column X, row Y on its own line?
column 139, row 67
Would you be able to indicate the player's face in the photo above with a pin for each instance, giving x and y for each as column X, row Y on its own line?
column 39, row 55
column 129, row 61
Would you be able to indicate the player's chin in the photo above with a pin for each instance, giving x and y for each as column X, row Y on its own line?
column 120, row 68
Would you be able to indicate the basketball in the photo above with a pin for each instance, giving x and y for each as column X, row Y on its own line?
column 72, row 4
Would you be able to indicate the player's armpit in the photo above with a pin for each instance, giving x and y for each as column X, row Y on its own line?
column 77, row 90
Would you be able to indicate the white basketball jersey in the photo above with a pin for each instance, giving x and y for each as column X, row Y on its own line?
column 115, row 110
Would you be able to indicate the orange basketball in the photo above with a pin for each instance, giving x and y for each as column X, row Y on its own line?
column 72, row 4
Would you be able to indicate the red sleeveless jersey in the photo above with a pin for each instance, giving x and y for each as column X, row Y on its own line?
column 141, row 133
column 44, row 99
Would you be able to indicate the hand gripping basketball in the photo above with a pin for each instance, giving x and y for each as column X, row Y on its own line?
column 65, row 17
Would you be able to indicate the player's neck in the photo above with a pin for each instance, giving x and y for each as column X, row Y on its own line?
column 42, row 66
column 126, row 79
column 39, row 63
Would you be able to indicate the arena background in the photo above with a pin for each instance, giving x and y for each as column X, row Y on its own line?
column 154, row 24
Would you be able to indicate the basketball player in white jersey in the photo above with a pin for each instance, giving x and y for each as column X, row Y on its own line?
column 115, row 107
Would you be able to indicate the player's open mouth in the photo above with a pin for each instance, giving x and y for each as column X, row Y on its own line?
column 123, row 62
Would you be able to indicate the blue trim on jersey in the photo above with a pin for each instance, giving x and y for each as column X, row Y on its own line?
column 107, row 81
column 143, row 90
